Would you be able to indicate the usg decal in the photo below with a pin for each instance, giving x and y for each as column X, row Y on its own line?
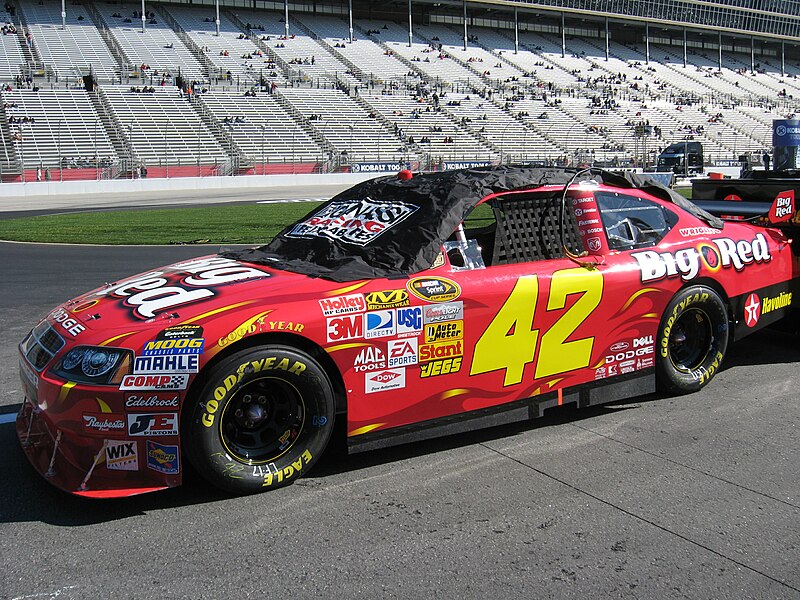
column 356, row 222
column 686, row 263
column 409, row 321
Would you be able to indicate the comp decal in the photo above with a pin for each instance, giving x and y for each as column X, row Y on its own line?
column 686, row 263
column 356, row 222
column 182, row 283
column 154, row 382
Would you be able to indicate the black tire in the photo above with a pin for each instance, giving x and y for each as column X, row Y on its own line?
column 262, row 419
column 692, row 340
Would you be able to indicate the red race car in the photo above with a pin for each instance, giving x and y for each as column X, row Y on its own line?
column 409, row 307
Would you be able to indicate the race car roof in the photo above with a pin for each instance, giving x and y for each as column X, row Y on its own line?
column 393, row 227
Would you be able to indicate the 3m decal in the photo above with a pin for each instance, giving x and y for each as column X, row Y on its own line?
column 154, row 382
column 177, row 363
column 152, row 401
column 686, row 263
column 370, row 358
column 343, row 305
column 173, row 346
column 387, row 299
column 356, row 222
column 402, row 353
column 381, row 323
column 437, row 313
column 122, row 455
column 409, row 321
column 449, row 330
column 346, row 327
column 382, row 381
column 153, row 424
column 440, row 367
column 161, row 458
column 103, row 422
column 151, row 293
column 510, row 341
column 434, row 289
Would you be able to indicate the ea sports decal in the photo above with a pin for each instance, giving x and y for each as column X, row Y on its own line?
column 752, row 310
column 356, row 222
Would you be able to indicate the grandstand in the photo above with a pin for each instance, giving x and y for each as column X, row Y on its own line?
column 100, row 92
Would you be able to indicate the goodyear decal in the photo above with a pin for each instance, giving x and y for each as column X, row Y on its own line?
column 287, row 472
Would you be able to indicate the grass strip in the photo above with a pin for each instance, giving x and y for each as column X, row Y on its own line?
column 230, row 224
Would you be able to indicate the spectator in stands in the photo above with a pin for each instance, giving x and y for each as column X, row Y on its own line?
column 765, row 158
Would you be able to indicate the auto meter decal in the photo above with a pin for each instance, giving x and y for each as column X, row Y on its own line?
column 182, row 283
column 434, row 289
column 356, row 222
column 686, row 263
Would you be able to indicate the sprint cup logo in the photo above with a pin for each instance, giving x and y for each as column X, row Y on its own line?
column 357, row 222
column 434, row 289
column 686, row 263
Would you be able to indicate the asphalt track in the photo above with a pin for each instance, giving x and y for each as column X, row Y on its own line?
column 690, row 497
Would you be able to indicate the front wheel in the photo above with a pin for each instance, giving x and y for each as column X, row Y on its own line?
column 262, row 419
column 692, row 340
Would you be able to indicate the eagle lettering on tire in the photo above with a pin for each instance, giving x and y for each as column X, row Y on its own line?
column 262, row 419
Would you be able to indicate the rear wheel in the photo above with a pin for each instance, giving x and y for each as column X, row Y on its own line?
column 261, row 421
column 692, row 340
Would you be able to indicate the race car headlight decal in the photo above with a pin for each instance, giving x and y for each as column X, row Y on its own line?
column 94, row 364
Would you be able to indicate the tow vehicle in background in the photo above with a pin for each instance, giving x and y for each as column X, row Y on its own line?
column 405, row 307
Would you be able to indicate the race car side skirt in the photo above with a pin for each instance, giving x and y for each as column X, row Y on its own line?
column 589, row 394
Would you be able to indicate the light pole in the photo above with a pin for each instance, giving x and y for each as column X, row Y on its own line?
column 294, row 131
column 350, row 157
column 263, row 134
column 130, row 143
column 96, row 165
column 166, row 151
column 58, row 150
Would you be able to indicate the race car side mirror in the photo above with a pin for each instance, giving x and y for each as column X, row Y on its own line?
column 783, row 207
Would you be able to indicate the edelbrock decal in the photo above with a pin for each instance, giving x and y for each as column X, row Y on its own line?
column 356, row 222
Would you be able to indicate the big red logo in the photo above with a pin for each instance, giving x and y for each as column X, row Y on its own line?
column 347, row 327
column 153, row 424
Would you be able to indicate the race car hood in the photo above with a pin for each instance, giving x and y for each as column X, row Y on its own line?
column 185, row 291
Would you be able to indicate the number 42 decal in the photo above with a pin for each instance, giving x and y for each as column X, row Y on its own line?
column 510, row 340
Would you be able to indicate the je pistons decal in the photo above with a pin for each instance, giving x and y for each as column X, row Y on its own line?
column 356, row 222
column 686, row 263
column 434, row 289
column 153, row 424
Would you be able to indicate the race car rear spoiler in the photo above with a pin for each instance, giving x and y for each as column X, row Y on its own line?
column 782, row 209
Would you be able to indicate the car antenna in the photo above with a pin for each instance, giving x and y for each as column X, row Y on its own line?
column 567, row 252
